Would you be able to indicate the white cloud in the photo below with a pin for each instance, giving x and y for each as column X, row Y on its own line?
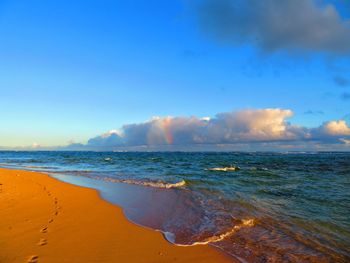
column 35, row 145
column 245, row 130
column 225, row 128
column 336, row 128
column 263, row 128
column 252, row 125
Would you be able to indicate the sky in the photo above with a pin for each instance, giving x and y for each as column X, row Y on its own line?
column 201, row 74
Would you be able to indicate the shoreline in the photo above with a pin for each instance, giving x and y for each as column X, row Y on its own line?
column 43, row 219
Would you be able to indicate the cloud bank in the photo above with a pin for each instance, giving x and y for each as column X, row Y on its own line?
column 273, row 25
column 269, row 127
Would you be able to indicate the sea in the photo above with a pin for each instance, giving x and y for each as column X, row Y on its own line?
column 254, row 206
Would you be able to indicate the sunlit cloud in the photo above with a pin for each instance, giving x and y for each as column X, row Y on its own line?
column 245, row 127
column 36, row 145
column 244, row 130
column 336, row 128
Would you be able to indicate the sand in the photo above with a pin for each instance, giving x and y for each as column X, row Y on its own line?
column 46, row 220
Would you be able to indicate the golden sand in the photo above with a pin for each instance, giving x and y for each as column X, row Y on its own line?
column 45, row 220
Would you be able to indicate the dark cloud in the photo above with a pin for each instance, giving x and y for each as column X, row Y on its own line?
column 273, row 25
column 341, row 81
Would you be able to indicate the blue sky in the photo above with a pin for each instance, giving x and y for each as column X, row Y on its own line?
column 72, row 70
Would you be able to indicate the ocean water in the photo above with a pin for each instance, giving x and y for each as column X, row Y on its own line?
column 278, row 207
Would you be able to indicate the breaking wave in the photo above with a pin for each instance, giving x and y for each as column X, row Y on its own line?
column 216, row 238
column 224, row 169
column 158, row 184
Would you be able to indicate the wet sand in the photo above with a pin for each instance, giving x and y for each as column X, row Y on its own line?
column 46, row 220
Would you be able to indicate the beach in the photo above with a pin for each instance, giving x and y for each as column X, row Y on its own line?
column 45, row 220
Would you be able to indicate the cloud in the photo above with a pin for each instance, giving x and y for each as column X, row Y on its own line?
column 111, row 138
column 244, row 129
column 251, row 125
column 273, row 25
column 229, row 127
column 341, row 81
column 335, row 128
column 36, row 145
column 345, row 141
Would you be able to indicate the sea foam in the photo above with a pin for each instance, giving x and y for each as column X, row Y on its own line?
column 158, row 184
column 224, row 169
column 216, row 238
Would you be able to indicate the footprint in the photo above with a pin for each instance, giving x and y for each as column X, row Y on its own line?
column 33, row 259
column 42, row 242
column 50, row 221
column 43, row 230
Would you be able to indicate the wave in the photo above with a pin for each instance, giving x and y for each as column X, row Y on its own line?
column 158, row 184
column 213, row 239
column 20, row 166
column 224, row 169
column 259, row 169
column 39, row 167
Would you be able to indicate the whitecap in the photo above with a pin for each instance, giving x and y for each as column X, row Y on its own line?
column 217, row 238
column 224, row 169
column 157, row 184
